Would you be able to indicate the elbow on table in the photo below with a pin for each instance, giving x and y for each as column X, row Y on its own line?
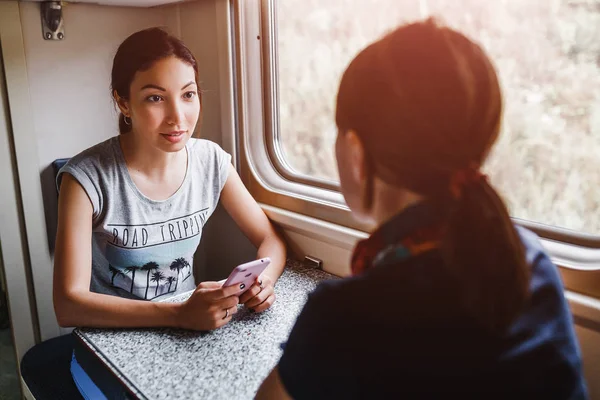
column 65, row 308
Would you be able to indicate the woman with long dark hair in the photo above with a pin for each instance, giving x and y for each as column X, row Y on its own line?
column 447, row 295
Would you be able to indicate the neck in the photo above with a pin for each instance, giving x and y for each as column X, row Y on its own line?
column 389, row 201
column 149, row 161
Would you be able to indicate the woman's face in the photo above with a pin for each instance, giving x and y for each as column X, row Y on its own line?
column 163, row 104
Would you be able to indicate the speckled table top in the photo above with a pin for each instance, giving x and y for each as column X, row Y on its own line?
column 228, row 363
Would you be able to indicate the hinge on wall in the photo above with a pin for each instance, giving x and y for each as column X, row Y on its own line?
column 53, row 26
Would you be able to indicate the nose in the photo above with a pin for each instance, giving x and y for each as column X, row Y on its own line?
column 175, row 113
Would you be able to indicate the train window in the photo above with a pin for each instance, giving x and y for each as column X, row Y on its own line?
column 547, row 162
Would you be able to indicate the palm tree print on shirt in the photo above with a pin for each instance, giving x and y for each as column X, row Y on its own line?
column 154, row 274
column 188, row 266
column 150, row 266
column 115, row 272
column 177, row 265
column 158, row 277
column 131, row 270
column 170, row 281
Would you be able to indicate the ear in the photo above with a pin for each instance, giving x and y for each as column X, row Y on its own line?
column 122, row 103
column 360, row 167
column 356, row 155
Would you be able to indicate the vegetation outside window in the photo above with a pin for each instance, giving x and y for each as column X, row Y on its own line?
column 547, row 162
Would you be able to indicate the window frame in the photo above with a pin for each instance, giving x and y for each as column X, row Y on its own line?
column 265, row 178
column 272, row 122
column 264, row 170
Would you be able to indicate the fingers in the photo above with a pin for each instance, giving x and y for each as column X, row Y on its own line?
column 220, row 316
column 259, row 298
column 250, row 293
column 231, row 290
column 209, row 285
column 207, row 309
column 220, row 303
column 224, row 304
column 233, row 310
column 260, row 283
column 228, row 302
column 223, row 316
column 228, row 312
column 223, row 321
column 217, row 293
column 265, row 304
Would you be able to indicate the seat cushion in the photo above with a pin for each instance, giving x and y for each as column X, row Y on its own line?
column 45, row 368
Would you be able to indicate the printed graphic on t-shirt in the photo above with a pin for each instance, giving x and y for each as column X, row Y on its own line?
column 152, row 260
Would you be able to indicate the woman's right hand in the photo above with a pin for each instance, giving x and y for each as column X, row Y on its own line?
column 209, row 307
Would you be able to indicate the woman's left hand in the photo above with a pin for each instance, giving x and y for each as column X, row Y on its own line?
column 261, row 294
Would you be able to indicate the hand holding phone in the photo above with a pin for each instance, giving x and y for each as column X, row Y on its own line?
column 245, row 275
column 209, row 307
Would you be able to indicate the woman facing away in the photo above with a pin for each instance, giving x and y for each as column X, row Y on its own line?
column 447, row 295
column 132, row 208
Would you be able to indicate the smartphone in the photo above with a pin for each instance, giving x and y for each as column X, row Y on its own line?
column 245, row 275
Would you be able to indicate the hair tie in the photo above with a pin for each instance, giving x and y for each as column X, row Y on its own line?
column 465, row 177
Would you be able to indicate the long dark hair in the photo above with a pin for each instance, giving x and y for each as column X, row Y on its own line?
column 137, row 53
column 426, row 103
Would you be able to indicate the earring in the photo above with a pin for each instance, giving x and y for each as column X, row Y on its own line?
column 127, row 120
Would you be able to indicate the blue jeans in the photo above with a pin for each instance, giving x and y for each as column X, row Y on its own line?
column 84, row 383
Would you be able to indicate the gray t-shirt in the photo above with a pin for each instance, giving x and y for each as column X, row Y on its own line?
column 141, row 248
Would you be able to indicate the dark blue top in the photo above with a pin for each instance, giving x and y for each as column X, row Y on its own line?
column 395, row 331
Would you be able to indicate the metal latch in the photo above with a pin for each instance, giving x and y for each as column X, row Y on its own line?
column 52, row 20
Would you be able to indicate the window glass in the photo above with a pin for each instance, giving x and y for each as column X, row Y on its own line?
column 547, row 52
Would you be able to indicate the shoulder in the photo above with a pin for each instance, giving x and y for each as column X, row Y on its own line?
column 93, row 168
column 101, row 155
column 543, row 270
column 548, row 313
column 532, row 244
column 208, row 153
column 210, row 160
column 548, row 316
column 204, row 147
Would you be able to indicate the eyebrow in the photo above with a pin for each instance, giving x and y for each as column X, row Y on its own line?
column 188, row 84
column 151, row 86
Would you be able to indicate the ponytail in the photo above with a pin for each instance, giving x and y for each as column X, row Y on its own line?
column 483, row 250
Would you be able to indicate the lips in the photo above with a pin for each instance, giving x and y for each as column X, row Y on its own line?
column 174, row 133
column 174, row 136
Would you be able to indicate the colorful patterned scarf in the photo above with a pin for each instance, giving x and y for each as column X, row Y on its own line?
column 406, row 235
